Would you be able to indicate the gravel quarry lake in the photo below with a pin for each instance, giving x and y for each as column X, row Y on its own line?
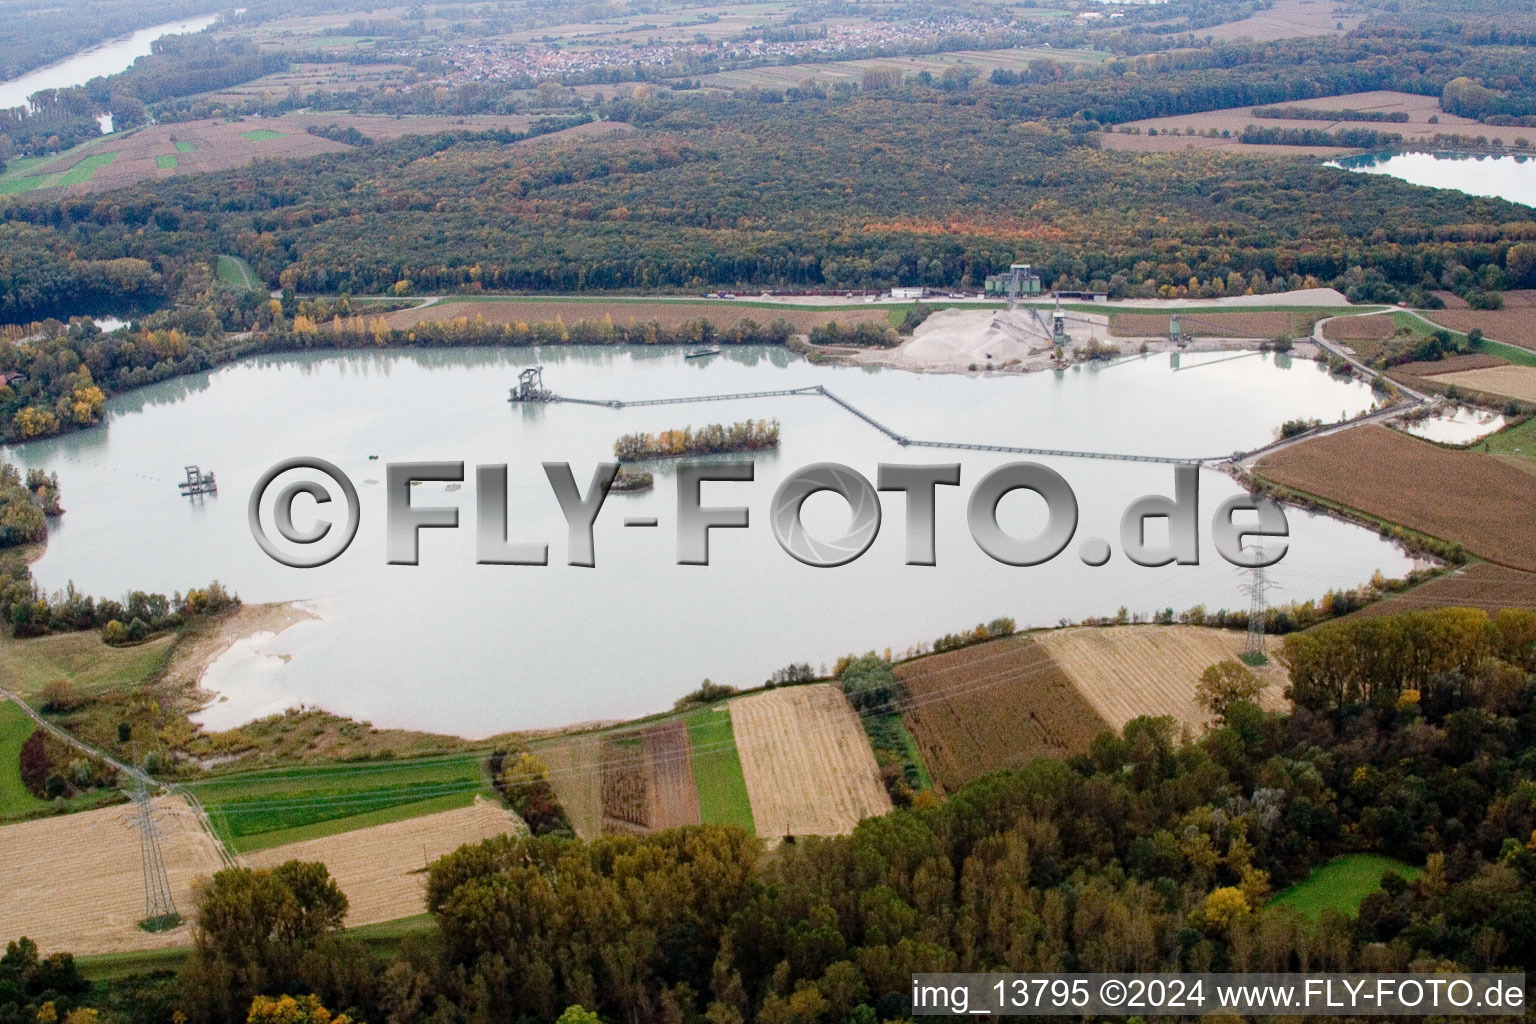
column 452, row 646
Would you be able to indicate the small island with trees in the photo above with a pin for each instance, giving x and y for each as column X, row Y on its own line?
column 715, row 439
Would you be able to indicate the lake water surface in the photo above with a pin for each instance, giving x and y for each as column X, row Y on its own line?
column 1504, row 176
column 449, row 645
column 109, row 58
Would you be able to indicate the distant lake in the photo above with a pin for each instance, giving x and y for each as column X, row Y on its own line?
column 1505, row 176
column 107, row 59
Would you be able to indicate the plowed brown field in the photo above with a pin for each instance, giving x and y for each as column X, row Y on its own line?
column 383, row 869
column 1510, row 381
column 1360, row 328
column 807, row 762
column 75, row 883
column 1514, row 324
column 995, row 705
column 1483, row 585
column 1467, row 497
column 671, row 759
column 1206, row 325
column 668, row 314
column 1127, row 671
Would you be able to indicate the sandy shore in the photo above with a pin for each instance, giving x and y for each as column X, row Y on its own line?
column 238, row 638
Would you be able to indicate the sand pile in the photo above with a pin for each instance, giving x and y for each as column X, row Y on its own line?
column 956, row 338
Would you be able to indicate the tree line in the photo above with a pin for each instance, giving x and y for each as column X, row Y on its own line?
column 1151, row 851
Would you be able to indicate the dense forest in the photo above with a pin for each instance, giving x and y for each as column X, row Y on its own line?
column 1411, row 737
column 864, row 192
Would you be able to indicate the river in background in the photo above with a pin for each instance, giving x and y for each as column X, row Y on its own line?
column 109, row 58
column 462, row 648
column 1503, row 176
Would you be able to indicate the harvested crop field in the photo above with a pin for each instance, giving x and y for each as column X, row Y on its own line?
column 198, row 146
column 1206, row 325
column 1510, row 381
column 1417, row 129
column 995, row 705
column 75, row 882
column 1360, row 328
column 383, row 869
column 574, row 764
column 1515, row 324
column 1128, row 671
column 1471, row 498
column 668, row 314
column 807, row 763
column 1480, row 585
column 1286, row 19
column 647, row 779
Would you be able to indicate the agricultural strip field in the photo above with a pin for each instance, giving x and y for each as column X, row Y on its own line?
column 1128, row 671
column 574, row 764
column 1479, row 585
column 383, row 869
column 996, row 705
column 1510, row 381
column 91, row 666
column 807, row 763
column 717, row 771
column 15, row 727
column 669, row 314
column 255, row 810
column 1341, row 884
column 648, row 779
column 1286, row 19
column 1471, row 498
column 75, row 882
column 262, row 135
column 1211, row 325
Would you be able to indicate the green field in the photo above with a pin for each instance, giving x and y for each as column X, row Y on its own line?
column 15, row 180
column 257, row 810
column 1518, row 443
column 1341, row 884
column 90, row 665
column 233, row 270
column 15, row 727
column 1509, row 353
column 262, row 135
column 166, row 162
column 185, row 147
column 717, row 769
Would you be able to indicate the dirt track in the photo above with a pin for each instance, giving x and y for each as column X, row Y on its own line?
column 382, row 869
column 75, row 883
column 807, row 762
